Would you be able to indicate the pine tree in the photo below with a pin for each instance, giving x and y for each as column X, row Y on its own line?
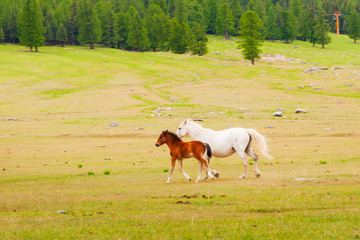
column 236, row 9
column 250, row 36
column 61, row 35
column 321, row 31
column 72, row 23
column 137, row 38
column 31, row 27
column 2, row 35
column 179, row 37
column 305, row 21
column 181, row 11
column 287, row 26
column 12, row 26
column 272, row 30
column 354, row 25
column 89, row 24
column 122, row 30
column 211, row 14
column 224, row 21
column 48, row 23
column 160, row 3
column 295, row 7
column 108, row 23
column 158, row 27
column 256, row 6
column 198, row 45
column 196, row 14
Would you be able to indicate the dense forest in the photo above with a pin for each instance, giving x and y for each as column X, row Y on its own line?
column 162, row 25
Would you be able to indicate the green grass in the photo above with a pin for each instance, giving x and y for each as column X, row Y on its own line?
column 58, row 151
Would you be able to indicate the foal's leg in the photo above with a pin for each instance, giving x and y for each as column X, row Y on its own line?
column 182, row 171
column 255, row 157
column 205, row 164
column 214, row 172
column 199, row 176
column 173, row 161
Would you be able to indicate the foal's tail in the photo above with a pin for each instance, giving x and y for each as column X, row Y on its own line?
column 261, row 142
column 208, row 150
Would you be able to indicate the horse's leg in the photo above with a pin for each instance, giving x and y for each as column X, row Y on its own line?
column 241, row 152
column 173, row 161
column 214, row 172
column 255, row 157
column 182, row 171
column 205, row 165
column 245, row 161
column 199, row 176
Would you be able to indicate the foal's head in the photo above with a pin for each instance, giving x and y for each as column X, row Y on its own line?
column 166, row 136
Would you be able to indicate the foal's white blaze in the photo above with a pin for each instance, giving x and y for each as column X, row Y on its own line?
column 226, row 142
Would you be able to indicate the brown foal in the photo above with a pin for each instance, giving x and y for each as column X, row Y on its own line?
column 180, row 150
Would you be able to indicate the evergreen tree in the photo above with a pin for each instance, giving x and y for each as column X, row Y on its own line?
column 211, row 14
column 122, row 30
column 179, row 37
column 257, row 6
column 250, row 36
column 108, row 23
column 278, row 10
column 72, row 23
column 305, row 22
column 171, row 8
column 287, row 26
column 198, row 45
column 321, row 31
column 196, row 14
column 354, row 25
column 49, row 23
column 224, row 21
column 61, row 35
column 31, row 25
column 89, row 24
column 236, row 9
column 12, row 26
column 295, row 7
column 272, row 30
column 158, row 27
column 137, row 38
column 181, row 11
column 2, row 35
column 160, row 3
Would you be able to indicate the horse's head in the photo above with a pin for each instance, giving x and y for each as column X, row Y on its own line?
column 162, row 139
column 183, row 129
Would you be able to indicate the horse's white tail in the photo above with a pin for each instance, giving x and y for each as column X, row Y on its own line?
column 261, row 142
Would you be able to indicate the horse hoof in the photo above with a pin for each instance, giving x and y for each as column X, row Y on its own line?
column 216, row 175
column 242, row 177
column 257, row 175
column 189, row 179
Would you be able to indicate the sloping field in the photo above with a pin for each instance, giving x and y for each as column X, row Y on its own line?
column 65, row 173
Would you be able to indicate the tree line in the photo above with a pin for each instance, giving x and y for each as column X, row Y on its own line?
column 175, row 25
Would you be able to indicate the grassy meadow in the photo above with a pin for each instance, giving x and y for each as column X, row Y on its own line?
column 66, row 174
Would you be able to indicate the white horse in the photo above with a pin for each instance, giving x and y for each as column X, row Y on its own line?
column 226, row 142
